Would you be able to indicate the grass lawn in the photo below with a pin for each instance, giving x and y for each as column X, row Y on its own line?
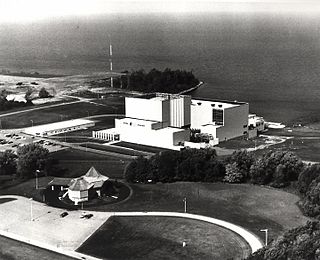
column 252, row 207
column 140, row 147
column 116, row 149
column 14, row 250
column 161, row 238
column 78, row 162
column 55, row 114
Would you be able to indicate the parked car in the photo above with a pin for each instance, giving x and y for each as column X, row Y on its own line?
column 87, row 216
column 64, row 214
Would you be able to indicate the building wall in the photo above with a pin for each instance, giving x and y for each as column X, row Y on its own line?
column 78, row 196
column 148, row 109
column 158, row 138
column 235, row 118
column 235, row 122
column 180, row 111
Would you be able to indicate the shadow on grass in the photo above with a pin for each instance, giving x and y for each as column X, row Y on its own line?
column 4, row 200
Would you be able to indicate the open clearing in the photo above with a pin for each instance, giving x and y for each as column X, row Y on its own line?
column 249, row 206
column 162, row 238
column 58, row 113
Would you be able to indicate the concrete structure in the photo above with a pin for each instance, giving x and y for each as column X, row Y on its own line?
column 256, row 122
column 223, row 120
column 59, row 127
column 170, row 109
column 160, row 120
column 164, row 120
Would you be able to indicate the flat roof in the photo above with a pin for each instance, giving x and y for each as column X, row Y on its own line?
column 235, row 102
column 161, row 96
column 58, row 125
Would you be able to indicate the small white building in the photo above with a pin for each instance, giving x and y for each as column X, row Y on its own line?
column 256, row 122
column 78, row 190
column 59, row 127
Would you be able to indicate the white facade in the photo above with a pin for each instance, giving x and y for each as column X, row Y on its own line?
column 164, row 120
column 224, row 120
column 78, row 196
column 144, row 132
column 59, row 127
column 154, row 109
column 166, row 108
column 256, row 122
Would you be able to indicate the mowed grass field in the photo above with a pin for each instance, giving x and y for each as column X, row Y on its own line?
column 59, row 113
column 14, row 250
column 79, row 162
column 252, row 207
column 162, row 238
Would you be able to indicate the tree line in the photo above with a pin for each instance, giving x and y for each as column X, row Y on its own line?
column 168, row 81
column 275, row 168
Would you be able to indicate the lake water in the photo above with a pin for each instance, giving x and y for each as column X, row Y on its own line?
column 271, row 61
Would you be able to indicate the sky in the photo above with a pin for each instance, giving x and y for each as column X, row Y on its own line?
column 21, row 11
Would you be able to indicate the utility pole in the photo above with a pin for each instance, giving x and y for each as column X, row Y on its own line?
column 266, row 232
column 185, row 205
column 110, row 60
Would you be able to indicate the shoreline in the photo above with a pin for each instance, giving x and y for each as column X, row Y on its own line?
column 32, row 75
column 187, row 91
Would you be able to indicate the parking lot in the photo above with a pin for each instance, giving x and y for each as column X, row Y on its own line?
column 11, row 140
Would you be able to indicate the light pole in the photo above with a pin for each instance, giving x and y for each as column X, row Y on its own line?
column 31, row 210
column 37, row 181
column 266, row 231
column 31, row 122
column 185, row 205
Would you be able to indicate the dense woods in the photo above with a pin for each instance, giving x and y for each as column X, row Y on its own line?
column 301, row 243
column 169, row 81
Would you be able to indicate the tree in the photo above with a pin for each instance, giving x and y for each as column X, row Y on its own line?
column 276, row 167
column 28, row 94
column 31, row 157
column 307, row 176
column 233, row 174
column 8, row 164
column 243, row 160
column 43, row 93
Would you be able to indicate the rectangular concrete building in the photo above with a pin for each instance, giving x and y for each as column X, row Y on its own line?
column 224, row 120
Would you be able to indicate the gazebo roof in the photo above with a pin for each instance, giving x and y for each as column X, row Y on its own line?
column 94, row 176
column 60, row 181
column 79, row 184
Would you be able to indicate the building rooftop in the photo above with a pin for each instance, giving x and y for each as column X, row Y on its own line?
column 79, row 184
column 235, row 102
column 58, row 125
column 60, row 182
column 161, row 96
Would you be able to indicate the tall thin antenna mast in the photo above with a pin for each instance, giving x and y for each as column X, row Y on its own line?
column 110, row 60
